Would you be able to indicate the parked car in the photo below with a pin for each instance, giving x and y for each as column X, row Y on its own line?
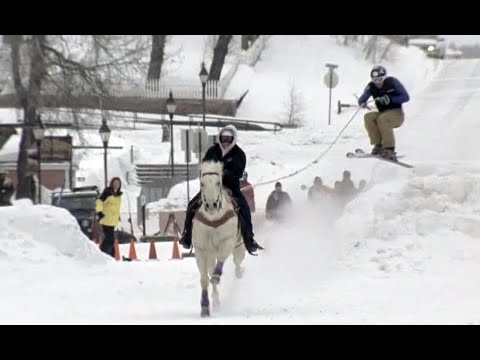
column 435, row 47
column 80, row 202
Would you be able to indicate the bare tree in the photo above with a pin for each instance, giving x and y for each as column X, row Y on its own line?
column 248, row 40
column 378, row 47
column 219, row 54
column 373, row 45
column 261, row 45
column 64, row 66
column 29, row 97
column 386, row 50
column 294, row 107
column 156, row 56
column 5, row 73
column 208, row 46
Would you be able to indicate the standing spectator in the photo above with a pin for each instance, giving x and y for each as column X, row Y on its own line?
column 247, row 189
column 318, row 190
column 108, row 210
column 361, row 185
column 277, row 203
column 347, row 184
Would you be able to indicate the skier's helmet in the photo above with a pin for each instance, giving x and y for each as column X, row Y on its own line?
column 378, row 71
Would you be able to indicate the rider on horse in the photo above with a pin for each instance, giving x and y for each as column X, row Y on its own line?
column 234, row 161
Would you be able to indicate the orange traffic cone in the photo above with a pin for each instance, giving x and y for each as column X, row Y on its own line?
column 132, row 254
column 152, row 254
column 117, row 250
column 176, row 251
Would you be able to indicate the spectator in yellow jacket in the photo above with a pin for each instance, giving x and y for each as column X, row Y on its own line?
column 108, row 209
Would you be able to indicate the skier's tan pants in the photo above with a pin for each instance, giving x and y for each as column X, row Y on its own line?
column 380, row 126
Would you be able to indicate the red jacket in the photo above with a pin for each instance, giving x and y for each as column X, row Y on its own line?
column 247, row 191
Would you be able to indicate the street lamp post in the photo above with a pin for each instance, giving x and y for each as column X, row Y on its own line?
column 105, row 135
column 171, row 106
column 203, row 78
column 38, row 134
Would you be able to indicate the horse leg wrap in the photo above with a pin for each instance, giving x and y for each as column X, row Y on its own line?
column 205, row 302
column 218, row 269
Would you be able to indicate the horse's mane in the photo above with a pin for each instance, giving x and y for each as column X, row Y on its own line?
column 212, row 166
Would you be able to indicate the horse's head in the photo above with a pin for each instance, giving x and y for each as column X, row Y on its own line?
column 211, row 185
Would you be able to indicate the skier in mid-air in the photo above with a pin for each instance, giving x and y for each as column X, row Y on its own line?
column 389, row 95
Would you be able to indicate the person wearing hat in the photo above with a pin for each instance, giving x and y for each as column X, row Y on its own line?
column 318, row 190
column 277, row 202
column 362, row 185
column 347, row 185
column 389, row 95
column 234, row 161
column 247, row 190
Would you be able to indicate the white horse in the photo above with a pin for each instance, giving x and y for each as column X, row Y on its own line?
column 216, row 233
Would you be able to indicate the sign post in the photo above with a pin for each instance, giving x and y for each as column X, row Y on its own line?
column 330, row 80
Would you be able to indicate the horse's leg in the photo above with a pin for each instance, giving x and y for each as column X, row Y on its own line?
column 202, row 264
column 238, row 255
column 215, row 297
column 211, row 269
column 217, row 273
column 224, row 251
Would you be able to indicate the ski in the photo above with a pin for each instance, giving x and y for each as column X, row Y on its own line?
column 360, row 154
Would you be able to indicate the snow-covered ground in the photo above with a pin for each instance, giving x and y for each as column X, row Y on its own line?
column 404, row 251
